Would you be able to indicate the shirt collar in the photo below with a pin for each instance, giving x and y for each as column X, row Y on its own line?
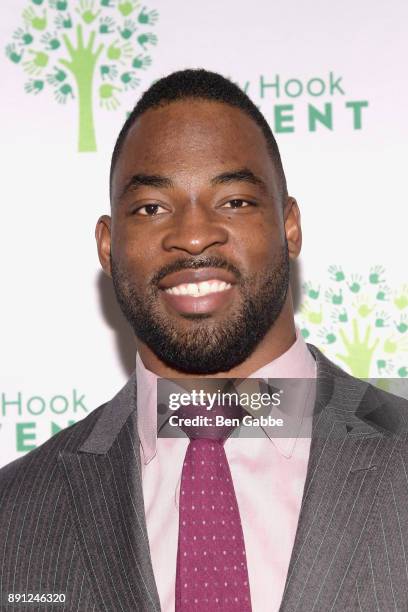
column 296, row 362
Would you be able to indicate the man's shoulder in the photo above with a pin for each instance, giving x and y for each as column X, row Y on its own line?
column 44, row 457
column 385, row 409
column 373, row 401
column 98, row 429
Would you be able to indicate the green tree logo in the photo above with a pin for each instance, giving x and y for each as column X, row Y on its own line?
column 90, row 51
column 358, row 322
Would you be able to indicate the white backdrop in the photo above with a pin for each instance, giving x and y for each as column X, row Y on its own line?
column 64, row 347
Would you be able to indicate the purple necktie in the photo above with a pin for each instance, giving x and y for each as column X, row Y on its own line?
column 211, row 562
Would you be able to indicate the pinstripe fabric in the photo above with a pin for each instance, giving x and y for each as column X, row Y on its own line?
column 72, row 513
column 38, row 549
column 72, row 521
column 349, row 524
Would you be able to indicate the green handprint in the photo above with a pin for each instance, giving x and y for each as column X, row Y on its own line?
column 141, row 62
column 23, row 37
column 107, row 3
column 381, row 364
column 37, row 63
column 117, row 52
column 148, row 17
column 327, row 335
column 403, row 372
column 394, row 344
column 402, row 326
column 12, row 53
column 305, row 332
column 59, row 5
column 34, row 86
column 343, row 318
column 147, row 39
column 384, row 366
column 129, row 80
column 108, row 71
column 356, row 281
column 57, row 77
column 51, row 42
column 310, row 291
column 363, row 306
column 339, row 316
column 86, row 12
column 106, row 25
column 31, row 19
column 334, row 298
column 382, row 319
column 359, row 353
column 375, row 273
column 127, row 7
column 129, row 27
column 312, row 316
column 37, row 2
column 63, row 22
column 63, row 92
column 336, row 273
column 382, row 293
column 107, row 96
column 401, row 300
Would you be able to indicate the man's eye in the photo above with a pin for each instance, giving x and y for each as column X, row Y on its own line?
column 151, row 210
column 238, row 203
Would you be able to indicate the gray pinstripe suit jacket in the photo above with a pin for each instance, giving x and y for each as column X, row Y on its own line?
column 72, row 514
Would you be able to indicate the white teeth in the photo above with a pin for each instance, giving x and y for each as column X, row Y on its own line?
column 199, row 289
column 192, row 289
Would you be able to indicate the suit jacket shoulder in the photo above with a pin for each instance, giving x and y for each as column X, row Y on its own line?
column 37, row 545
column 68, row 439
column 353, row 400
column 72, row 518
column 351, row 545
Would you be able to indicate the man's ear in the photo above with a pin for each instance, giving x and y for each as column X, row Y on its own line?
column 103, row 240
column 293, row 229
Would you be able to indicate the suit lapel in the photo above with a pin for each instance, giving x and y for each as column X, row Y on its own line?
column 104, row 489
column 348, row 458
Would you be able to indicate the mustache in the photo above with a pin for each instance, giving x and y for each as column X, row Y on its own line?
column 192, row 264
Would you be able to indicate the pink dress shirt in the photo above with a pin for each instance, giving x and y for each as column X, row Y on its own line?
column 268, row 474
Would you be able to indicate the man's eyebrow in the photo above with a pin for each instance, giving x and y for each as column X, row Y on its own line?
column 243, row 174
column 148, row 180
column 156, row 180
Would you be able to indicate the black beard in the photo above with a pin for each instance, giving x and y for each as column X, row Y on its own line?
column 207, row 348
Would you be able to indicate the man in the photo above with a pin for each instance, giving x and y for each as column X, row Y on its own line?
column 198, row 247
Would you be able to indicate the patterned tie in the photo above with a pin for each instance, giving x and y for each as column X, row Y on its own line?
column 211, row 563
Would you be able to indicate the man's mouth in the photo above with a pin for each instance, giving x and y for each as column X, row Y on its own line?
column 200, row 291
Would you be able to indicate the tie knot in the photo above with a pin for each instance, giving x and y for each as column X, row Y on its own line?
column 215, row 424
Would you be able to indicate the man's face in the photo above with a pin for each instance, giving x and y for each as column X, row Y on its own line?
column 199, row 256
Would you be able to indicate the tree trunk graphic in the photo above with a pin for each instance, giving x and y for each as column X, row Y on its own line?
column 82, row 63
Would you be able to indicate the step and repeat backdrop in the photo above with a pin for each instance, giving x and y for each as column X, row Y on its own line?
column 331, row 80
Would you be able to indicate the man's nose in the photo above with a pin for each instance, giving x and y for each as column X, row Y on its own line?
column 194, row 230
